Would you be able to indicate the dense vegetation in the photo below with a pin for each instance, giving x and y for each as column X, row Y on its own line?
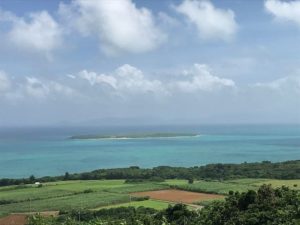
column 267, row 206
column 266, row 169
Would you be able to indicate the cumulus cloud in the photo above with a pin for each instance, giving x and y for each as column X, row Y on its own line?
column 125, row 79
column 211, row 22
column 120, row 25
column 199, row 78
column 37, row 32
column 132, row 83
column 130, row 80
column 94, row 78
column 284, row 10
column 40, row 32
column 193, row 93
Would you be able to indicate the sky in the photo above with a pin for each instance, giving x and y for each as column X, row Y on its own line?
column 140, row 62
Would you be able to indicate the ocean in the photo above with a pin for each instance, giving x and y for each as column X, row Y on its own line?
column 50, row 151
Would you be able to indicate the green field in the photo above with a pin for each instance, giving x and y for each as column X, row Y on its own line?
column 223, row 187
column 70, row 195
column 65, row 195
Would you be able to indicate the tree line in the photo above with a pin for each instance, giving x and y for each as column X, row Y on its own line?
column 265, row 169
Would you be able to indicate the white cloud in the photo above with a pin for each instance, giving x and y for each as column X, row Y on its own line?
column 211, row 22
column 199, row 78
column 95, row 78
column 284, row 85
column 130, row 80
column 40, row 33
column 133, row 79
column 125, row 80
column 5, row 82
column 284, row 10
column 71, row 76
column 119, row 24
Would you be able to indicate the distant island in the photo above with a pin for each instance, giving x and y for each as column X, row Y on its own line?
column 146, row 135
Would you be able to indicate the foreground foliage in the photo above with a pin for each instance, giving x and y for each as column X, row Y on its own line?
column 267, row 206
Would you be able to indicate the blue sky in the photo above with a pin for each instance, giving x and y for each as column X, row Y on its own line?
column 143, row 62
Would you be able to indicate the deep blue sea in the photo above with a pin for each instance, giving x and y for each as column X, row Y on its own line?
column 49, row 151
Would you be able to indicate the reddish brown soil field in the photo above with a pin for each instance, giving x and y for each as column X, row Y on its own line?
column 178, row 196
column 21, row 218
column 13, row 220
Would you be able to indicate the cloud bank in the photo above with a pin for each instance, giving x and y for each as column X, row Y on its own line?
column 188, row 95
column 125, row 80
column 131, row 82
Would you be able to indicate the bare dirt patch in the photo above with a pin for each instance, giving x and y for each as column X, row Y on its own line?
column 14, row 220
column 21, row 218
column 178, row 196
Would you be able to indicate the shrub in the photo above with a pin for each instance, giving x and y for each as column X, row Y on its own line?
column 88, row 191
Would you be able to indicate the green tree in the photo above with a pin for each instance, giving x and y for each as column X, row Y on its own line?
column 67, row 176
column 32, row 179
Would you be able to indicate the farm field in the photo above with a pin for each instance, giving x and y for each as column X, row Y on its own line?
column 69, row 195
column 155, row 204
column 223, row 187
column 178, row 196
column 65, row 195
column 13, row 220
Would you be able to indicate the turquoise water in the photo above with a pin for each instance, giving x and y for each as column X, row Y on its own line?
column 48, row 151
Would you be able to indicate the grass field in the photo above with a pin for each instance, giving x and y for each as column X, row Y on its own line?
column 223, row 187
column 70, row 194
column 105, row 193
